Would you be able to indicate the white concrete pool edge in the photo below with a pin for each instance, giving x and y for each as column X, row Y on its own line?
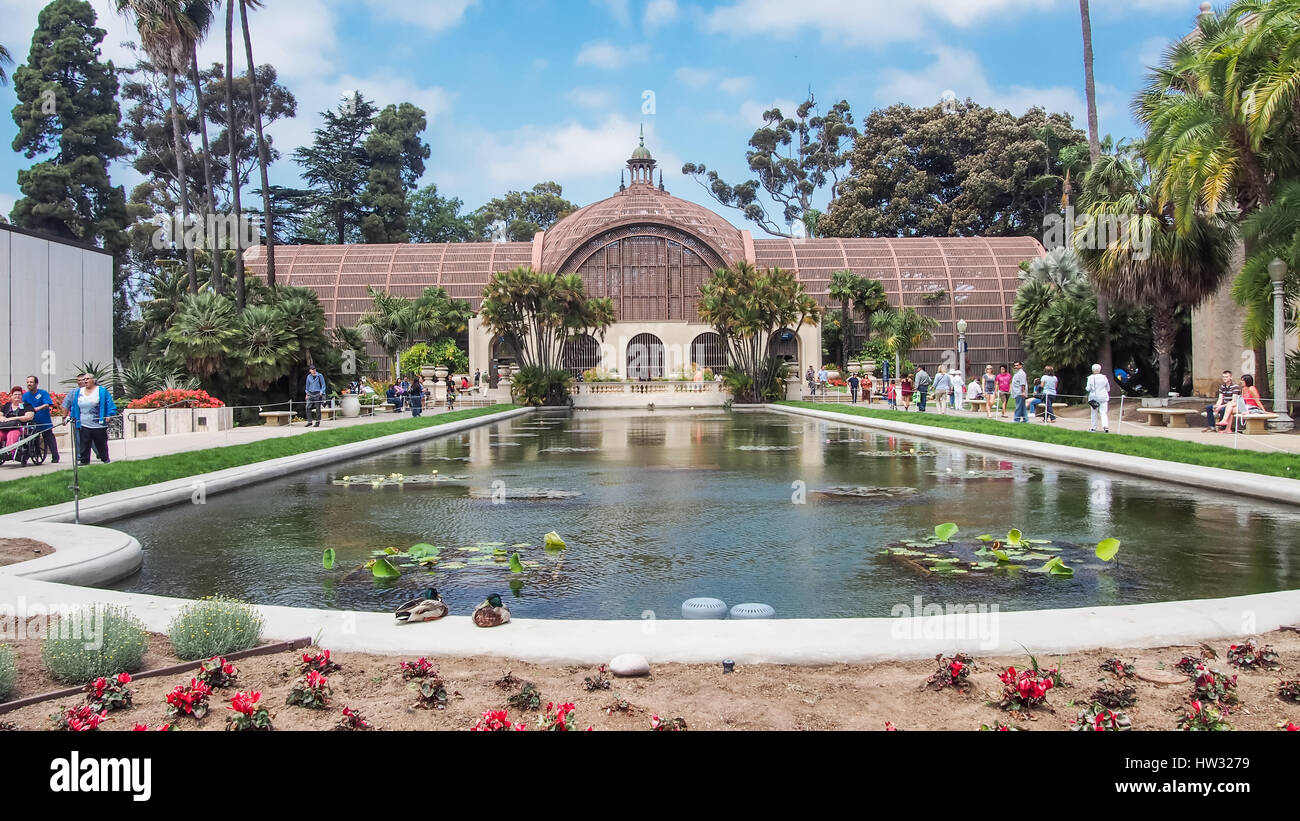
column 1254, row 485
column 122, row 503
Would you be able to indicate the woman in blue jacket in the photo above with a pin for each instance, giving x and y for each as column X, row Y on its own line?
column 89, row 407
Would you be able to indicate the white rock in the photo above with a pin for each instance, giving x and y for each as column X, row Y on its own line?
column 629, row 664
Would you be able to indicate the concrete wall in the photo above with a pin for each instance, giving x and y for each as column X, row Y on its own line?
column 57, row 299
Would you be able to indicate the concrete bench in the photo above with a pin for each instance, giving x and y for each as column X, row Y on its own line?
column 327, row 413
column 1177, row 417
column 981, row 404
column 1257, row 423
column 276, row 419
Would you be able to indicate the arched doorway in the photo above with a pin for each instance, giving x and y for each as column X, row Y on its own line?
column 709, row 351
column 645, row 357
column 502, row 354
column 784, row 345
column 581, row 353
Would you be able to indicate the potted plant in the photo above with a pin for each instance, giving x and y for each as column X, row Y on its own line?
column 350, row 405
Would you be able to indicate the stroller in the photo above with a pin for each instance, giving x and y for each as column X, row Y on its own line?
column 30, row 446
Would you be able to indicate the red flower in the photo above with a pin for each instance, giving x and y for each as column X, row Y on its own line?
column 123, row 678
column 245, row 703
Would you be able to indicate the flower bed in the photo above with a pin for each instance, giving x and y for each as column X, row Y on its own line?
column 175, row 398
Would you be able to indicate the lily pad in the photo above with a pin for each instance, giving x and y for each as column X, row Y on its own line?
column 327, row 559
column 516, row 566
column 451, row 565
column 382, row 569
column 1107, row 548
column 945, row 531
column 553, row 541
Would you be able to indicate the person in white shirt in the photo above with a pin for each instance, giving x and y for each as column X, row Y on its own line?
column 942, row 385
column 974, row 391
column 958, row 389
column 1020, row 393
column 1098, row 388
column 1049, row 381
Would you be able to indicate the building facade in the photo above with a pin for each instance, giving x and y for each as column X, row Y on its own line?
column 650, row 252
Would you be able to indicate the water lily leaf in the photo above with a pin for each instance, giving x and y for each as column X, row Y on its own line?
column 516, row 566
column 451, row 565
column 1037, row 541
column 945, row 531
column 948, row 569
column 391, row 551
column 985, row 538
column 531, row 564
column 490, row 544
column 1055, row 567
column 381, row 569
column 327, row 560
column 903, row 551
column 1107, row 548
column 472, row 549
column 983, row 565
column 521, row 544
column 983, row 551
column 1036, row 557
column 553, row 541
column 1013, row 536
column 422, row 551
column 1002, row 555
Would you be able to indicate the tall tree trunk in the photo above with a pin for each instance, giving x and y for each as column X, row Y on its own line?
column 1104, row 355
column 211, row 209
column 1262, row 381
column 232, row 128
column 846, row 328
column 262, row 156
column 1164, row 336
column 178, row 144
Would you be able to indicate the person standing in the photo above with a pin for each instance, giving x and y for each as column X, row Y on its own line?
column 1020, row 393
column 451, row 393
column 1098, row 388
column 477, row 377
column 416, row 397
column 315, row 394
column 42, row 402
column 905, row 389
column 89, row 408
column 923, row 382
column 1003, row 384
column 942, row 388
column 958, row 390
column 823, row 380
column 854, row 384
column 1049, row 383
column 989, row 390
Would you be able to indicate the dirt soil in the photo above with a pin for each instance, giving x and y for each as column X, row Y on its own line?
column 13, row 551
column 753, row 697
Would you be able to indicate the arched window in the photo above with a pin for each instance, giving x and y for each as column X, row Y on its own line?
column 649, row 278
column 784, row 345
column 709, row 351
column 645, row 357
column 581, row 354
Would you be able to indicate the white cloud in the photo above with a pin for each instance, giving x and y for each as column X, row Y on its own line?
column 751, row 111
column 1151, row 50
column 7, row 203
column 961, row 72
column 736, row 85
column 300, row 39
column 660, row 12
column 607, row 55
column 617, row 8
column 695, row 77
column 433, row 15
column 590, row 97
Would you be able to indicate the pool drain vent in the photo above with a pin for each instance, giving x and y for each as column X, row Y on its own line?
column 704, row 608
column 753, row 611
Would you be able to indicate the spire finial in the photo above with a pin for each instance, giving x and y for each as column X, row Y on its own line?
column 642, row 133
column 621, row 185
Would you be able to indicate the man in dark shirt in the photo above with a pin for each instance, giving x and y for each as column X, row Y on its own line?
column 1228, row 393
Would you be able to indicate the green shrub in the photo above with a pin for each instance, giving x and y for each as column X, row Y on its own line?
column 100, row 640
column 534, row 386
column 214, row 627
column 8, row 672
column 416, row 357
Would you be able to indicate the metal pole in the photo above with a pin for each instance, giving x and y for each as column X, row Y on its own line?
column 961, row 356
column 1120, row 424
column 76, row 476
column 1279, row 357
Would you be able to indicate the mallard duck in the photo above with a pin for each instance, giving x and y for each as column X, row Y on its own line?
column 491, row 612
column 428, row 607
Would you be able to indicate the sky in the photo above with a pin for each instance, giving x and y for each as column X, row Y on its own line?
column 521, row 92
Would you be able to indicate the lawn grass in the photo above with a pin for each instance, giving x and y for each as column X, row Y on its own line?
column 1150, row 447
column 52, row 488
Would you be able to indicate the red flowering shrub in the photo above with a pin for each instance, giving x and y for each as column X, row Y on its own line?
column 174, row 397
column 596, row 682
column 56, row 404
column 1024, row 689
column 140, row 728
column 311, row 691
column 109, row 693
column 1115, row 694
column 556, row 718
column 81, row 719
column 1292, row 726
column 671, row 725
column 1099, row 719
column 249, row 715
column 417, row 669
column 1253, row 657
column 999, row 727
column 1188, row 665
column 1118, row 668
column 320, row 662
column 496, row 721
column 1214, row 685
column 353, row 721
column 217, row 673
column 954, row 671
column 189, row 701
column 1203, row 717
column 430, row 693
column 1289, row 690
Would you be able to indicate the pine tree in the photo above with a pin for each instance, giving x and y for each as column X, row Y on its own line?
column 67, row 110
column 396, row 155
column 336, row 165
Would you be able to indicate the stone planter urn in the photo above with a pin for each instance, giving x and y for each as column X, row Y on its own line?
column 351, row 405
column 855, row 367
column 427, row 371
column 503, row 371
column 440, row 372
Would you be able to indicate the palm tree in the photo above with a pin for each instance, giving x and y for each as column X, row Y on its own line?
column 1094, row 153
column 1274, row 232
column 200, row 12
column 901, row 331
column 167, row 34
column 203, row 334
column 844, row 285
column 1208, row 138
column 5, row 60
column 387, row 324
column 869, row 298
column 232, row 128
column 263, row 156
column 1156, row 262
column 1056, row 309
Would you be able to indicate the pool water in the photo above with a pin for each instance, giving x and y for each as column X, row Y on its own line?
column 677, row 504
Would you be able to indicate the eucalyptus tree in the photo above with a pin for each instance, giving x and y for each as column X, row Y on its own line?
column 263, row 155
column 747, row 307
column 5, row 60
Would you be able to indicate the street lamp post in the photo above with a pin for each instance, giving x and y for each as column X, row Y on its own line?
column 961, row 348
column 1277, row 273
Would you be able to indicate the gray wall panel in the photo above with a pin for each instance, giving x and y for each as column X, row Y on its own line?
column 97, row 307
column 4, row 299
column 66, row 318
column 29, row 310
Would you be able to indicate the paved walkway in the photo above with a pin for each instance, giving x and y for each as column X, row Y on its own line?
column 150, row 446
column 1076, row 417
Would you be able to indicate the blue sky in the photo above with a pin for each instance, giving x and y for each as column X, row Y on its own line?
column 520, row 92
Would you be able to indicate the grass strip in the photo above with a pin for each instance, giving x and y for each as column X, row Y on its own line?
column 1149, row 447
column 53, row 488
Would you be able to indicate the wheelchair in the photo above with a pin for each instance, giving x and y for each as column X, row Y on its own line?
column 31, row 450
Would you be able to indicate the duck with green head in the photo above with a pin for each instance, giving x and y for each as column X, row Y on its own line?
column 428, row 607
column 491, row 612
